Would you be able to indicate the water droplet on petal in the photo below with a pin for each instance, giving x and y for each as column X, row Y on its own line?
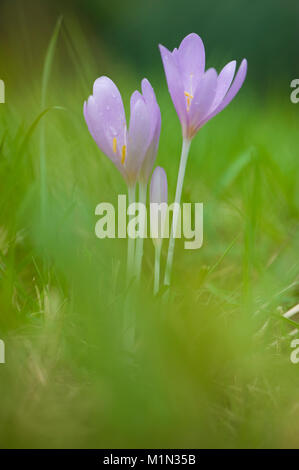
column 113, row 130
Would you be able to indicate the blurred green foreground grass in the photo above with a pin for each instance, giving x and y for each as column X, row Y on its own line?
column 211, row 365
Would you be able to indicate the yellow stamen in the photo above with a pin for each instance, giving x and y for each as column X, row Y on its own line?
column 123, row 154
column 114, row 144
column 189, row 98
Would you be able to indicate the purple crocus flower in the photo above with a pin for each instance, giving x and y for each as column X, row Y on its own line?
column 158, row 202
column 198, row 95
column 158, row 188
column 132, row 150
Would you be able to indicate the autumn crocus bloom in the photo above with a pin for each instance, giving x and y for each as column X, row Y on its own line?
column 132, row 149
column 126, row 147
column 158, row 189
column 158, row 195
column 197, row 95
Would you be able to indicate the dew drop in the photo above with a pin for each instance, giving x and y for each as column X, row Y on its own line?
column 113, row 130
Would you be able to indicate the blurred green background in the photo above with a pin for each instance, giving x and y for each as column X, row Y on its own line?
column 211, row 363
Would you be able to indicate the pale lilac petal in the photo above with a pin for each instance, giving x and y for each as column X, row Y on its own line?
column 154, row 110
column 203, row 99
column 111, row 110
column 175, row 85
column 138, row 136
column 151, row 102
column 150, row 156
column 237, row 83
column 224, row 81
column 158, row 188
column 97, row 128
column 191, row 56
column 88, row 120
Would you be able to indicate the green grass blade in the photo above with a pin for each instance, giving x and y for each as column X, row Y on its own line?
column 45, row 81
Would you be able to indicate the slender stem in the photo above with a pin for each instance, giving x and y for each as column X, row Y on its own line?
column 139, row 241
column 158, row 247
column 178, row 194
column 131, row 241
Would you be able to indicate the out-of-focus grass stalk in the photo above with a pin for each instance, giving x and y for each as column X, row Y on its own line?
column 253, row 203
column 139, row 241
column 45, row 81
column 178, row 194
column 131, row 241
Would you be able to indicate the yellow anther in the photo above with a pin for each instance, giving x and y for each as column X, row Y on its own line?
column 189, row 98
column 114, row 144
column 123, row 154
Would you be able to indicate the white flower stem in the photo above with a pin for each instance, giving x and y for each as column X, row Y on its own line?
column 139, row 241
column 158, row 247
column 178, row 194
column 131, row 241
